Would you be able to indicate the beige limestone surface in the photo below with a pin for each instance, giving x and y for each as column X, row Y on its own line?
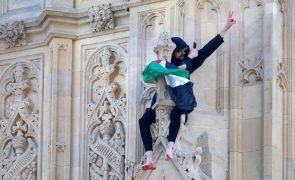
column 71, row 90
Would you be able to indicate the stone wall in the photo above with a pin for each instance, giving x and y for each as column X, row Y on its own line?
column 72, row 92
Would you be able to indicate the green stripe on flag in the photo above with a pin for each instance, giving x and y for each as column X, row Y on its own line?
column 155, row 70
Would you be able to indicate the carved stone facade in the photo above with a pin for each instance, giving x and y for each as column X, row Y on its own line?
column 71, row 89
column 106, row 110
column 20, row 121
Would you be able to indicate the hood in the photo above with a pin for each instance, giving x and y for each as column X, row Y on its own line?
column 180, row 45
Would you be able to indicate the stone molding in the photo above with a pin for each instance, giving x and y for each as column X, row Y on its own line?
column 70, row 20
column 72, row 24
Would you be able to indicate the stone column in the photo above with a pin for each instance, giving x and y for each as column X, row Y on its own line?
column 163, row 107
column 246, row 91
column 272, row 120
column 164, row 104
column 291, row 29
column 60, row 57
column 289, row 114
column 235, row 109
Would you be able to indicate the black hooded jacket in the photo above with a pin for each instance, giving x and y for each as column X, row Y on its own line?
column 203, row 54
column 195, row 63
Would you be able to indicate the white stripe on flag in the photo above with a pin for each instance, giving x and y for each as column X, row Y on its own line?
column 174, row 81
column 163, row 63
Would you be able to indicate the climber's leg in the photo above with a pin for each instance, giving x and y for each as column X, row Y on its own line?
column 173, row 131
column 144, row 124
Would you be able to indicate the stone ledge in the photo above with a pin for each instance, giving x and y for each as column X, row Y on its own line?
column 73, row 24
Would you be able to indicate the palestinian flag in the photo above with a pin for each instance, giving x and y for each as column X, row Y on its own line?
column 179, row 86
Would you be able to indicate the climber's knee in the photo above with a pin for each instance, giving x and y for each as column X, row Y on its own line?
column 147, row 118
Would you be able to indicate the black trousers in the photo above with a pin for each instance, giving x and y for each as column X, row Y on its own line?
column 149, row 117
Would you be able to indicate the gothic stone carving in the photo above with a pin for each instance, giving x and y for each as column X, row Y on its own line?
column 164, row 47
column 133, row 169
column 191, row 163
column 14, row 34
column 19, row 125
column 250, row 68
column 188, row 154
column 106, row 117
column 282, row 75
column 163, row 121
column 101, row 17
